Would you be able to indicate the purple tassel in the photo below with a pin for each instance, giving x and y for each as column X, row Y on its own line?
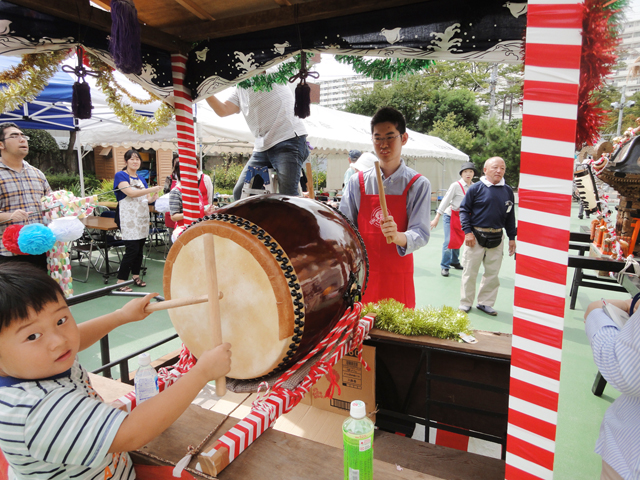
column 81, row 100
column 302, row 108
column 125, row 37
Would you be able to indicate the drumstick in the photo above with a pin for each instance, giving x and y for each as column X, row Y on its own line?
column 214, row 303
column 312, row 195
column 383, row 200
column 178, row 302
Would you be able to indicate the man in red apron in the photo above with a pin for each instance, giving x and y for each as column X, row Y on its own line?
column 390, row 243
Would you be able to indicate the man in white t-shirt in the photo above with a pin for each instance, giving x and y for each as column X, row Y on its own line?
column 280, row 136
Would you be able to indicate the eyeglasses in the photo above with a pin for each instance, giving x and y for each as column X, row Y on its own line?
column 380, row 141
column 16, row 136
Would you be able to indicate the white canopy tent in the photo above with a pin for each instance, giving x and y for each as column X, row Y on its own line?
column 332, row 134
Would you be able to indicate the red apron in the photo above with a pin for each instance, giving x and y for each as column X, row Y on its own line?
column 202, row 199
column 456, row 234
column 390, row 275
column 167, row 216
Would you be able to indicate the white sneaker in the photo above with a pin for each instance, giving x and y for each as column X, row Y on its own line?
column 464, row 308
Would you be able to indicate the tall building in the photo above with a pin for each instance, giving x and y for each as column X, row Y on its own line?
column 335, row 93
column 629, row 51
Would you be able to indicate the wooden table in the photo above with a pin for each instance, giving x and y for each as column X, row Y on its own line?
column 104, row 225
column 444, row 384
column 282, row 456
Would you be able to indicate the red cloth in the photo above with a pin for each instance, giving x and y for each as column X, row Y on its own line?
column 4, row 467
column 456, row 234
column 167, row 216
column 390, row 275
column 150, row 472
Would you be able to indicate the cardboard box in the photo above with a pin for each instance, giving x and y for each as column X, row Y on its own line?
column 355, row 383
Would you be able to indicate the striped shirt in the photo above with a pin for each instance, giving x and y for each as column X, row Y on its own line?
column 59, row 428
column 269, row 115
column 616, row 353
column 418, row 202
column 21, row 191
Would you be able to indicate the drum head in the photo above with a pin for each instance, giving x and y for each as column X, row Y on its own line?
column 256, row 308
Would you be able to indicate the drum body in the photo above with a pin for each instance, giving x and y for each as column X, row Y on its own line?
column 286, row 267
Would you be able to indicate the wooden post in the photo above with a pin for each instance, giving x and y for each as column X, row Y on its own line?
column 312, row 194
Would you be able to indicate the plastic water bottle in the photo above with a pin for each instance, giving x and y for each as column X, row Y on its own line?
column 357, row 435
column 146, row 379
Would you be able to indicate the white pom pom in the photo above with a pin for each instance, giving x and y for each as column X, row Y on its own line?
column 162, row 204
column 67, row 229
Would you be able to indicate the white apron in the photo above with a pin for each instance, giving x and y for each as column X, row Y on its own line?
column 134, row 215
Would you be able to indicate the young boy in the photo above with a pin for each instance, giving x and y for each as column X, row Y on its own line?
column 408, row 199
column 52, row 423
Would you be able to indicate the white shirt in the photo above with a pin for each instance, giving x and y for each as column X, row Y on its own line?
column 269, row 115
column 616, row 353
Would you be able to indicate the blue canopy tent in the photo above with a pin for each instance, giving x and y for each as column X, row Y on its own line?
column 51, row 109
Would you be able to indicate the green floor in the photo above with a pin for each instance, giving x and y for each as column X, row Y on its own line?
column 580, row 412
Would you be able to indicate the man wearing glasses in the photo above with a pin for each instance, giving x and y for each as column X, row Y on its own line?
column 21, row 190
column 390, row 243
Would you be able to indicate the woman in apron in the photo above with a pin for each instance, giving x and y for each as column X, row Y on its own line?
column 133, row 209
column 450, row 208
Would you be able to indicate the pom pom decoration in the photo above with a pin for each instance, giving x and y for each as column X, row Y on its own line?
column 67, row 229
column 10, row 239
column 36, row 239
column 162, row 204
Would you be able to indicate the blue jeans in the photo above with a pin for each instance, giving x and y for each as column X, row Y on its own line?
column 286, row 158
column 449, row 257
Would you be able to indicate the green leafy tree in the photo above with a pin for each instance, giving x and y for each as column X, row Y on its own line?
column 499, row 139
column 44, row 152
column 449, row 131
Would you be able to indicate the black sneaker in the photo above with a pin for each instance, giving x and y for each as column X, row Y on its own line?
column 457, row 266
column 444, row 272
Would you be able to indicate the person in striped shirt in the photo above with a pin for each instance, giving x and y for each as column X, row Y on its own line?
column 53, row 424
column 616, row 352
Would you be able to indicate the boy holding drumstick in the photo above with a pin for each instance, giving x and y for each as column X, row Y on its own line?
column 53, row 423
column 391, row 242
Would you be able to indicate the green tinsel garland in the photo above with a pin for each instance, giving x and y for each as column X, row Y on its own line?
column 264, row 83
column 393, row 316
column 386, row 69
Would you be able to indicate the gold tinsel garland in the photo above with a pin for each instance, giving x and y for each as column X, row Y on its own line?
column 27, row 80
column 126, row 113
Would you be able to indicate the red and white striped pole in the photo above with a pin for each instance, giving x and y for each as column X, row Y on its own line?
column 551, row 80
column 186, row 139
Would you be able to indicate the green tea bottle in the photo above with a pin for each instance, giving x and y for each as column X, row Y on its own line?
column 357, row 434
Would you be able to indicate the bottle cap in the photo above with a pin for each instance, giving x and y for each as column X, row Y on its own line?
column 358, row 409
column 144, row 359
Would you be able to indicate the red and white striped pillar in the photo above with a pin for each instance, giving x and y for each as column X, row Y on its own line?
column 551, row 80
column 186, row 139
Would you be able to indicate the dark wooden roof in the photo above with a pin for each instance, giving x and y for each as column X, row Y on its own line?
column 174, row 25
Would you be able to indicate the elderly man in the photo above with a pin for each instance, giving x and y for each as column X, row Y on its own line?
column 21, row 188
column 487, row 209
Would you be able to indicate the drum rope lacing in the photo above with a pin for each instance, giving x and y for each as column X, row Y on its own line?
column 288, row 271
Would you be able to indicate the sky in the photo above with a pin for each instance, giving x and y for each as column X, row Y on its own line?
column 633, row 12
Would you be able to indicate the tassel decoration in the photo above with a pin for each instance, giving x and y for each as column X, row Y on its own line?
column 124, row 44
column 81, row 97
column 302, row 107
column 81, row 100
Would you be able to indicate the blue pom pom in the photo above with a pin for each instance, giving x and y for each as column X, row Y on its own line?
column 35, row 239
